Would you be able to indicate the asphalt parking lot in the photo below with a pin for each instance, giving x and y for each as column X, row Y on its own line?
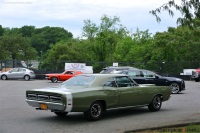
column 17, row 116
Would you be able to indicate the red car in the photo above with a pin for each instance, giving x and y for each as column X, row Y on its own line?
column 196, row 75
column 55, row 77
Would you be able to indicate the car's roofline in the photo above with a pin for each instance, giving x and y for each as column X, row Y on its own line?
column 103, row 74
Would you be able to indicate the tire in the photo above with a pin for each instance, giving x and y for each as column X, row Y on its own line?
column 61, row 114
column 175, row 87
column 4, row 77
column 95, row 111
column 26, row 77
column 155, row 104
column 54, row 79
column 197, row 79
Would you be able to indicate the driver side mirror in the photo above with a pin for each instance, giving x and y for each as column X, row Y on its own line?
column 156, row 77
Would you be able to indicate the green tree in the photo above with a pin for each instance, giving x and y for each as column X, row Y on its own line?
column 89, row 30
column 27, row 31
column 1, row 30
column 110, row 32
column 141, row 50
column 177, row 48
column 11, row 31
column 190, row 10
column 16, row 47
column 46, row 36
column 63, row 52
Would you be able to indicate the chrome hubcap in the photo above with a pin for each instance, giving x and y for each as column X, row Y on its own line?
column 174, row 87
column 96, row 110
column 54, row 79
column 4, row 77
column 156, row 102
column 26, row 78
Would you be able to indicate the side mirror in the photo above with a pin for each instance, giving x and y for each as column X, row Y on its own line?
column 156, row 77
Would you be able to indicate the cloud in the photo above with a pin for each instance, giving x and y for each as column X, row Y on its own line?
column 71, row 13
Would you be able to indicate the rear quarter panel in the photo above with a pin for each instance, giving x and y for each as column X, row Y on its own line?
column 83, row 100
column 151, row 91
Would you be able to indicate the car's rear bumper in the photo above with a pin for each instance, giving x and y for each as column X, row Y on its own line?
column 50, row 105
column 32, row 76
column 195, row 75
column 182, row 85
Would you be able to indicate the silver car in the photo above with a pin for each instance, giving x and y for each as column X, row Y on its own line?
column 18, row 73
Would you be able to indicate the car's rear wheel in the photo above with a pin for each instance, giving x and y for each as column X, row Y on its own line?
column 26, row 77
column 155, row 104
column 61, row 114
column 54, row 79
column 94, row 112
column 4, row 77
column 197, row 79
column 175, row 87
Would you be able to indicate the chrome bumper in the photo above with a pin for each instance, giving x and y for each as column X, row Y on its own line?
column 50, row 105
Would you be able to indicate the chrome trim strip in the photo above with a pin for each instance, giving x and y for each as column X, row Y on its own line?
column 69, row 102
column 127, row 107
column 43, row 97
column 34, row 101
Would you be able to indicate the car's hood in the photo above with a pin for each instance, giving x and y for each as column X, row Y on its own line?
column 171, row 78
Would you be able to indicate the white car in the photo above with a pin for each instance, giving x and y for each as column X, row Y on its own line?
column 18, row 73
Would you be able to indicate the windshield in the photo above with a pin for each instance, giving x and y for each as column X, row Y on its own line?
column 80, row 80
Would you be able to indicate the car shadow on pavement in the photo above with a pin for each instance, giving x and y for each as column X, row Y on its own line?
column 78, row 117
column 178, row 93
column 125, row 112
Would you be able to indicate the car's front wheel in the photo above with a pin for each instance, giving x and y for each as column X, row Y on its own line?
column 155, row 104
column 94, row 112
column 26, row 77
column 4, row 77
column 175, row 87
column 61, row 114
column 54, row 79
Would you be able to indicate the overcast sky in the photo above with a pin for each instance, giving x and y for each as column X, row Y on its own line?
column 70, row 14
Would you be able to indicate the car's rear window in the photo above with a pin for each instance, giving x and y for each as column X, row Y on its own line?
column 109, row 70
column 80, row 80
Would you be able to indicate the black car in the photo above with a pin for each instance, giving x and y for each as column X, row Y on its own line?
column 148, row 77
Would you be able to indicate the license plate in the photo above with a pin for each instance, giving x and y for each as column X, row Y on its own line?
column 43, row 106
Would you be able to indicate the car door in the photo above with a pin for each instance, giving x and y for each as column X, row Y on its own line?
column 113, row 93
column 20, row 73
column 130, row 93
column 13, row 73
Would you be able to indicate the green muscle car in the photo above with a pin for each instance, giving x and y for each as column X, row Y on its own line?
column 93, row 94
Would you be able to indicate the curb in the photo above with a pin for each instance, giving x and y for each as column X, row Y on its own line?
column 163, row 127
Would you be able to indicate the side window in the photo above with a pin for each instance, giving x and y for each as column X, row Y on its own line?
column 120, row 82
column 135, row 74
column 111, row 82
column 124, row 82
column 14, row 70
column 69, row 72
column 21, row 70
column 72, row 72
column 149, row 74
